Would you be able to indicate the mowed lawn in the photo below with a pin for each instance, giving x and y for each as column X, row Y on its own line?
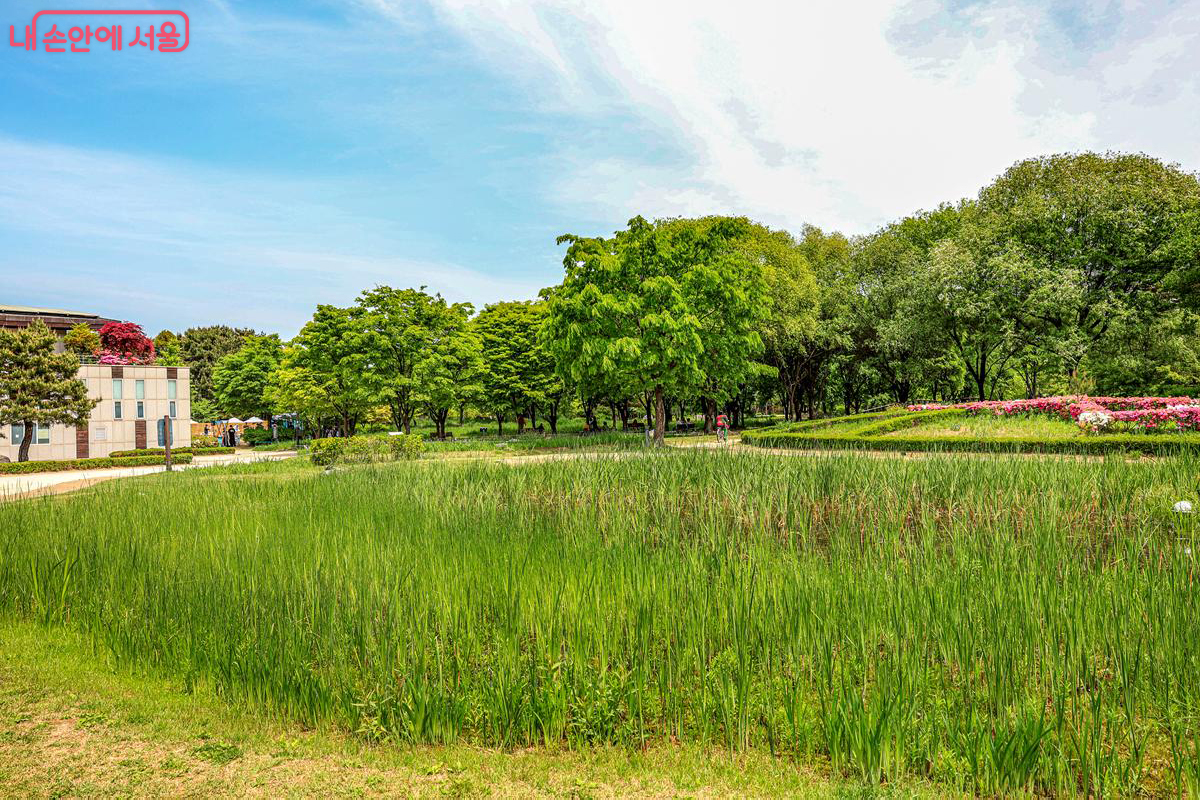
column 989, row 426
column 938, row 625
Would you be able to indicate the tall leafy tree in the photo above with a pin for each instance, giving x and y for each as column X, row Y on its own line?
column 37, row 385
column 883, row 324
column 632, row 309
column 201, row 349
column 240, row 379
column 518, row 369
column 325, row 371
column 788, row 331
column 400, row 325
column 1124, row 223
column 448, row 370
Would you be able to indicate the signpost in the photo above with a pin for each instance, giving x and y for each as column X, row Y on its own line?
column 167, row 439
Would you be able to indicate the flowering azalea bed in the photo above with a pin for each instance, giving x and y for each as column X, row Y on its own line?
column 1095, row 414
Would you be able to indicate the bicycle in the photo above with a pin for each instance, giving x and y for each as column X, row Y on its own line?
column 722, row 434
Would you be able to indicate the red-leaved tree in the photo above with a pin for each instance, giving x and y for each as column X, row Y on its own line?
column 125, row 343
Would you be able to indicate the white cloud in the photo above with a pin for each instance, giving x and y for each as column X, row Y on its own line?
column 841, row 114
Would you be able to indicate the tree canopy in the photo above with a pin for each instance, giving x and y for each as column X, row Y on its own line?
column 645, row 309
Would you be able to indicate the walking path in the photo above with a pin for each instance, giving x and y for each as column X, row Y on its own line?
column 19, row 486
column 34, row 484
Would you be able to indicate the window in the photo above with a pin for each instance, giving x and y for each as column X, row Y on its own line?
column 41, row 434
column 139, row 390
column 116, row 409
column 141, row 409
column 118, row 389
column 172, row 412
column 171, row 391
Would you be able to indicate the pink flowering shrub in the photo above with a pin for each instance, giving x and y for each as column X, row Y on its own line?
column 1093, row 414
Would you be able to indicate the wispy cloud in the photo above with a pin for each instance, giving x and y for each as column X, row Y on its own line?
column 846, row 114
column 194, row 245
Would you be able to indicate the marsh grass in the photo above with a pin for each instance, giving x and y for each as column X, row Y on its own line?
column 994, row 625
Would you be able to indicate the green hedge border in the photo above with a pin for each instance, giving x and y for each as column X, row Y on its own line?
column 871, row 437
column 195, row 451
column 27, row 467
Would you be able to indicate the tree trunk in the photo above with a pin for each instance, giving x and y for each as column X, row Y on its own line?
column 552, row 415
column 660, row 415
column 462, row 413
column 26, row 441
column 499, row 424
column 710, row 413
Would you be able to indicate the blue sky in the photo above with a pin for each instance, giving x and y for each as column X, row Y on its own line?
column 298, row 152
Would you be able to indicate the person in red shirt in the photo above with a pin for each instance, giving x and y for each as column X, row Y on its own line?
column 722, row 428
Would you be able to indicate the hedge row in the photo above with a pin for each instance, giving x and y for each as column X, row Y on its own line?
column 23, row 467
column 195, row 451
column 1167, row 444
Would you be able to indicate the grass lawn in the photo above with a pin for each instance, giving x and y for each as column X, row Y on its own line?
column 679, row 621
column 983, row 425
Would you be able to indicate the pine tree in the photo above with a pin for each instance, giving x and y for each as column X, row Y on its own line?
column 38, row 385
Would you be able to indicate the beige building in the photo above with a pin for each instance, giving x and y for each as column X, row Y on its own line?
column 133, row 402
column 134, row 399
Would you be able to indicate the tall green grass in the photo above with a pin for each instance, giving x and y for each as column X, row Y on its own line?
column 994, row 625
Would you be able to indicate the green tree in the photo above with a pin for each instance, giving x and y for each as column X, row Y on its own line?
column 240, row 378
column 400, row 324
column 788, row 332
column 38, row 385
column 201, row 349
column 518, row 369
column 882, row 323
column 82, row 340
column 1124, row 223
column 632, row 309
column 168, row 349
column 448, row 370
column 325, row 371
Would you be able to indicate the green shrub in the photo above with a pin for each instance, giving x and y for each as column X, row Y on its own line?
column 253, row 436
column 195, row 451
column 406, row 446
column 200, row 440
column 366, row 449
column 23, row 467
column 1083, row 445
column 325, row 451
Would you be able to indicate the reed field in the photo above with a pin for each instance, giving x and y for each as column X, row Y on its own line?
column 989, row 625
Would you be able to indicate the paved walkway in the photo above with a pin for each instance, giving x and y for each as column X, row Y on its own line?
column 34, row 484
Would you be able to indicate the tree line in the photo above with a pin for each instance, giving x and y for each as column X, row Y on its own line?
column 1067, row 274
